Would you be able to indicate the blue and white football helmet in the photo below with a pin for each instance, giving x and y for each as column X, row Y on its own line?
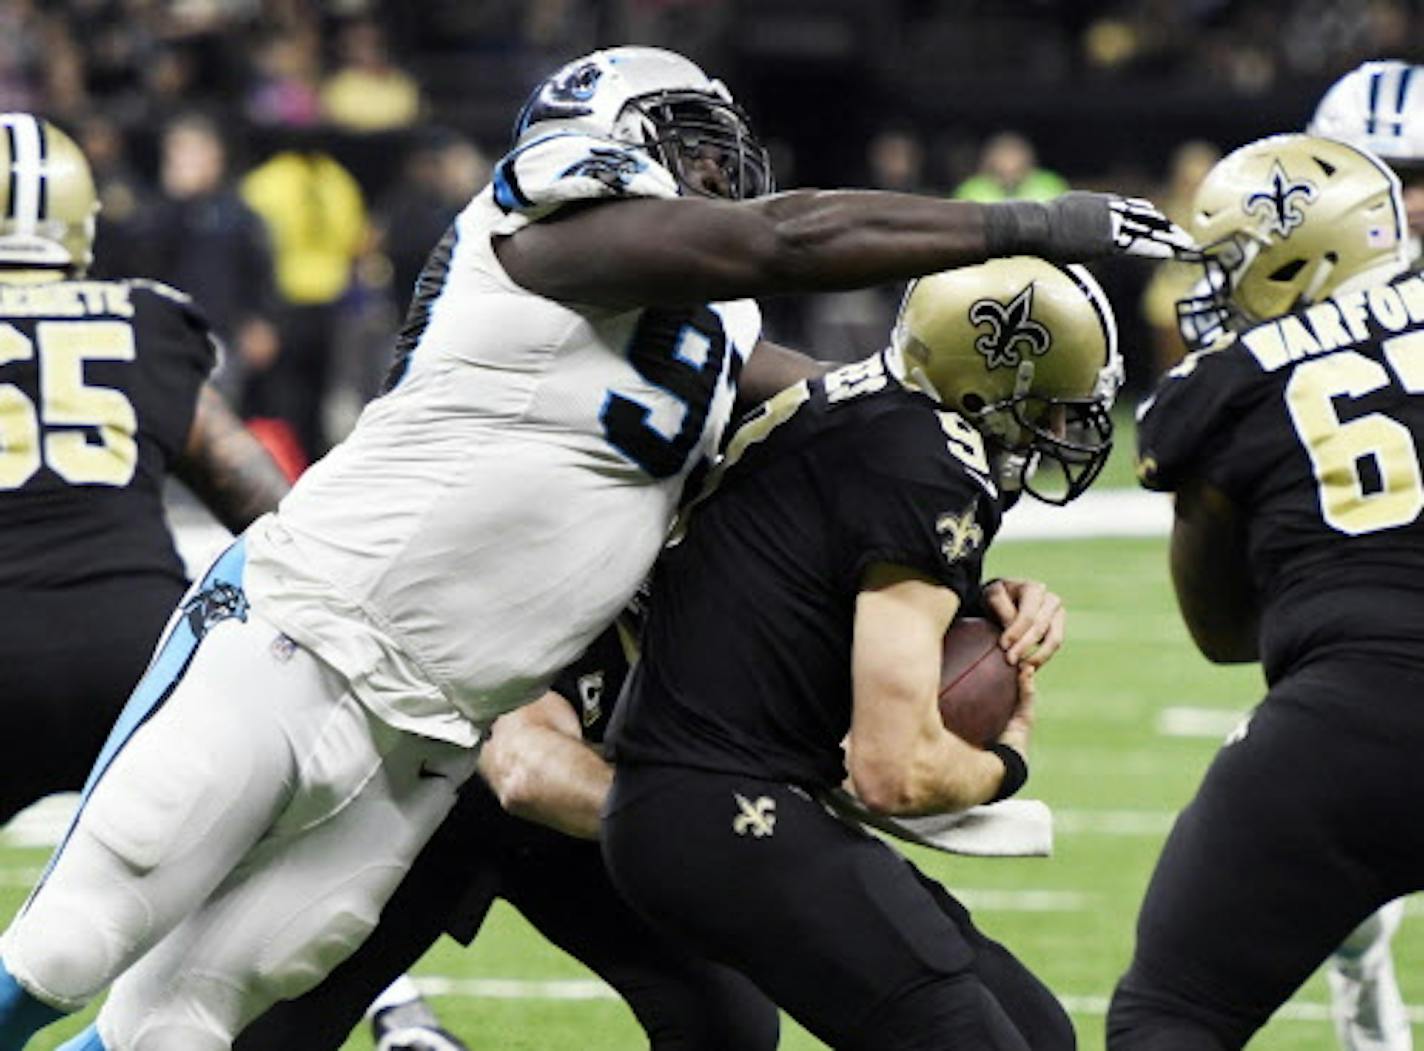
column 659, row 102
column 1378, row 107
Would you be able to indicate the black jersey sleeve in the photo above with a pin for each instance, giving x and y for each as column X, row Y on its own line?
column 178, row 352
column 906, row 499
column 1185, row 426
column 592, row 683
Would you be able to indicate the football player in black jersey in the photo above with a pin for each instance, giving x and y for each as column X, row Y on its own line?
column 542, row 763
column 794, row 636
column 1378, row 106
column 1292, row 443
column 103, row 391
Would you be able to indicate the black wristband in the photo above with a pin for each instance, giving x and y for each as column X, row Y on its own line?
column 1015, row 769
column 1016, row 228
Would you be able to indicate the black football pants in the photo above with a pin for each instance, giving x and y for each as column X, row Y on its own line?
column 1301, row 829
column 69, row 658
column 831, row 923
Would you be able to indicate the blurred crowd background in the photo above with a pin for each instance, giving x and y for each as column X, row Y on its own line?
column 291, row 162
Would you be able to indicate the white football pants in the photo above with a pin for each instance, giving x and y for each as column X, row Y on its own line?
column 234, row 847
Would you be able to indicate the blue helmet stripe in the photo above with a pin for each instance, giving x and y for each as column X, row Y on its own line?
column 1375, row 79
column 1404, row 77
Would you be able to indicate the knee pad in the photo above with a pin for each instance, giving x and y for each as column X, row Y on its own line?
column 1142, row 1017
column 21, row 1013
column 951, row 1011
column 178, row 1036
column 68, row 947
column 309, row 947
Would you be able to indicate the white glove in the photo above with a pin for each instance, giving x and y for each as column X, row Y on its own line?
column 1139, row 228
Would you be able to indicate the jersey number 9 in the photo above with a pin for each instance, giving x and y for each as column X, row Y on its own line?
column 682, row 353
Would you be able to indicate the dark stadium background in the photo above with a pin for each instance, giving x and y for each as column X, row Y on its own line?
column 1105, row 92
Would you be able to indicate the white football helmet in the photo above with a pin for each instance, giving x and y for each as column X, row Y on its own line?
column 657, row 101
column 1377, row 107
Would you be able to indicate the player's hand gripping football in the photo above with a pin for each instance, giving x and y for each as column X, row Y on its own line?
column 1033, row 618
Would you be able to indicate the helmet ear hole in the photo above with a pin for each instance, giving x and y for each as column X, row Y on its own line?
column 1287, row 271
column 973, row 402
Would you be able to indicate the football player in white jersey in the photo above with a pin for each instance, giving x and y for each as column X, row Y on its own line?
column 571, row 357
column 1378, row 106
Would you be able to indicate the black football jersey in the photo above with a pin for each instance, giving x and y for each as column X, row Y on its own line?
column 98, row 385
column 1313, row 424
column 746, row 655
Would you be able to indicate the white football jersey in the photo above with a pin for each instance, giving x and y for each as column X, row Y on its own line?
column 493, row 511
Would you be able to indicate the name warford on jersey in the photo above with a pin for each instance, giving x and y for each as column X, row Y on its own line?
column 1336, row 323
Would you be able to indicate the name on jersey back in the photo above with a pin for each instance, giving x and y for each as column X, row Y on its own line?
column 66, row 299
column 1342, row 321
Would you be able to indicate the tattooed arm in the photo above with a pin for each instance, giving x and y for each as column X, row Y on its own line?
column 226, row 467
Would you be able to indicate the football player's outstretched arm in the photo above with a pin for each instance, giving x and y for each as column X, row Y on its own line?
column 683, row 251
column 901, row 758
column 540, row 768
column 1212, row 575
column 226, row 467
column 771, row 369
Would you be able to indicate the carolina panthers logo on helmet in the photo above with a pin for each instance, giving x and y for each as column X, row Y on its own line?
column 563, row 96
column 1278, row 206
column 212, row 606
column 613, row 168
column 1012, row 331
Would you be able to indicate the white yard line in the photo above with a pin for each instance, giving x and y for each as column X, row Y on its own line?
column 1187, row 721
column 1101, row 513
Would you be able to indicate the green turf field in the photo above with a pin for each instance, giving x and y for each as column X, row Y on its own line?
column 1099, row 759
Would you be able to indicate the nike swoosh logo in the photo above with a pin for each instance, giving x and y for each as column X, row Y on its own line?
column 426, row 772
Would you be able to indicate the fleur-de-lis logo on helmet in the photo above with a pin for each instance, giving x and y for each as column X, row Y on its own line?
column 1012, row 332
column 1279, row 206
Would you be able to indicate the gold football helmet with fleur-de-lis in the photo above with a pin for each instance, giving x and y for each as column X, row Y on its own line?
column 47, row 199
column 1286, row 221
column 1026, row 351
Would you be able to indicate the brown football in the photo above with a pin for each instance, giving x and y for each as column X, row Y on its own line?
column 978, row 687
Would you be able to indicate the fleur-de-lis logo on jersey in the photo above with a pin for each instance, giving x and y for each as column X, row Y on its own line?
column 962, row 535
column 212, row 606
column 590, row 691
column 1012, row 332
column 756, row 819
column 1280, row 206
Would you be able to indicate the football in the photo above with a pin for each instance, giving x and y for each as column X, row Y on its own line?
column 978, row 687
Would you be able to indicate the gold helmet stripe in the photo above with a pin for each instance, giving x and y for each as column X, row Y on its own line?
column 26, row 169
